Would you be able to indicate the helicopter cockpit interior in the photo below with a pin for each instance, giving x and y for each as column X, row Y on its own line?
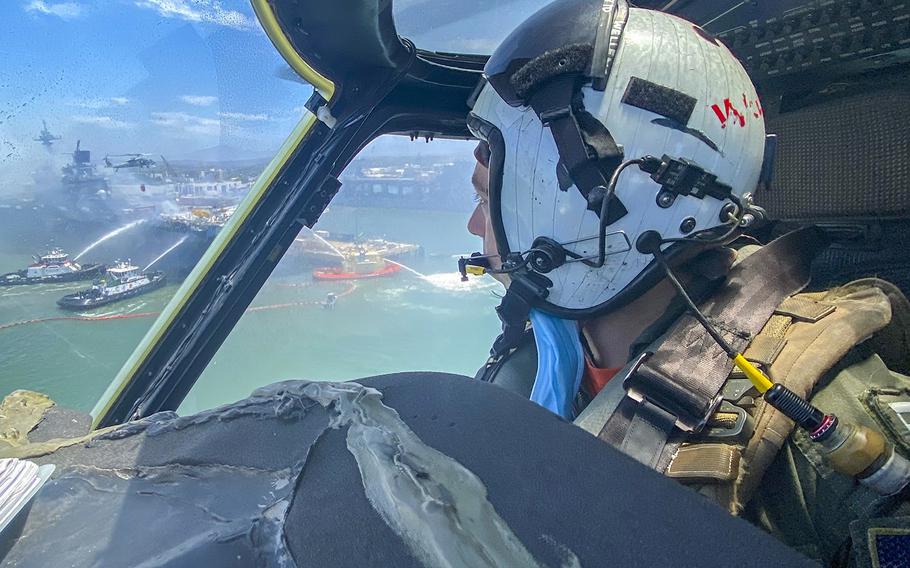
column 292, row 382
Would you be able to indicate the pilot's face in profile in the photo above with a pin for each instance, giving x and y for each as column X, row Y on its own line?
column 479, row 224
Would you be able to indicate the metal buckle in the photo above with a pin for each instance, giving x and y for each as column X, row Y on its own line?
column 683, row 423
column 741, row 430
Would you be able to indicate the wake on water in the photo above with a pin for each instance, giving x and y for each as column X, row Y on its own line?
column 39, row 289
column 451, row 281
column 99, row 315
column 135, row 308
column 447, row 282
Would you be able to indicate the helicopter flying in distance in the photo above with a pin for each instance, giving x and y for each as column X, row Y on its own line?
column 132, row 161
column 45, row 137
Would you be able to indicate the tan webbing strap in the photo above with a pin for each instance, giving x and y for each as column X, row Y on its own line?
column 763, row 351
column 705, row 463
column 851, row 315
column 777, row 326
column 770, row 341
column 804, row 309
column 686, row 370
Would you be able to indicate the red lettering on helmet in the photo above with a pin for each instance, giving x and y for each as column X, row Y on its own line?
column 754, row 106
column 724, row 115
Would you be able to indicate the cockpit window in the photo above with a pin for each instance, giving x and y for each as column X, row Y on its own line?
column 472, row 26
column 374, row 287
column 128, row 139
column 129, row 133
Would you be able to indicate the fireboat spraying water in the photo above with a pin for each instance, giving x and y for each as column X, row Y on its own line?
column 122, row 281
column 354, row 259
column 109, row 236
column 167, row 252
column 52, row 267
column 360, row 267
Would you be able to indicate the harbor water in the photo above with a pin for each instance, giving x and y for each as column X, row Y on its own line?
column 424, row 318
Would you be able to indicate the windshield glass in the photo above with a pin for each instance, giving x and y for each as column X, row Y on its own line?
column 129, row 132
column 131, row 135
column 374, row 288
column 470, row 26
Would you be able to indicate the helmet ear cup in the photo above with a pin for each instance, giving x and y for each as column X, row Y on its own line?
column 546, row 255
column 649, row 242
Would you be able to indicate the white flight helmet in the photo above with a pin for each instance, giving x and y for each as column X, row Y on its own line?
column 582, row 87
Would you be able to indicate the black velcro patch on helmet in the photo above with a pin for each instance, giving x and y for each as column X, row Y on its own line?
column 573, row 58
column 658, row 99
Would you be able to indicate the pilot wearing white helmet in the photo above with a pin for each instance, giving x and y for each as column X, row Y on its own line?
column 619, row 150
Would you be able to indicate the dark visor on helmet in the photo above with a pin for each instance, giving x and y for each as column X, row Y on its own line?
column 568, row 37
column 492, row 148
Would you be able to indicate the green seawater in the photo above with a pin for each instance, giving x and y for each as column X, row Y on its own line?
column 403, row 322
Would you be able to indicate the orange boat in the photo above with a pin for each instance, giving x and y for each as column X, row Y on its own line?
column 358, row 270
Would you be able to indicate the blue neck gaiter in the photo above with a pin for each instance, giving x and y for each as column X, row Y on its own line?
column 560, row 363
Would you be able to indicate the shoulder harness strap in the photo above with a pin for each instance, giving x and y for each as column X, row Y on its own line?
column 676, row 388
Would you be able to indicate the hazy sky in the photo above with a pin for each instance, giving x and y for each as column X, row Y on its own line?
column 176, row 76
column 159, row 76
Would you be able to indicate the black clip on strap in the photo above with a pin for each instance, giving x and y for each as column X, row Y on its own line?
column 515, row 309
column 582, row 151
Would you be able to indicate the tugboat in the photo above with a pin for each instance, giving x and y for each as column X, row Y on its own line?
column 368, row 266
column 52, row 267
column 122, row 281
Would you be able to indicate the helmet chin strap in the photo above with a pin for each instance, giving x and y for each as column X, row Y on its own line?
column 525, row 289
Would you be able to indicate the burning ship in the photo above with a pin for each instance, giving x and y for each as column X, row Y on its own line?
column 311, row 248
column 81, row 175
column 197, row 220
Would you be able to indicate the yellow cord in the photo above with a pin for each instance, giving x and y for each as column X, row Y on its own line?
column 758, row 378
